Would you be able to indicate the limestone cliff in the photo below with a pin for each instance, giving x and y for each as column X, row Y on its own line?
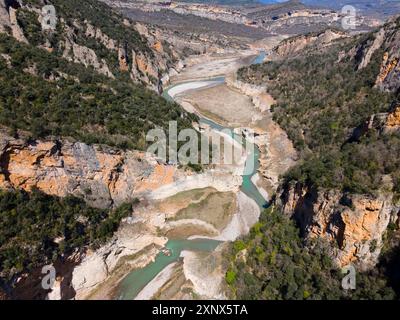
column 16, row 30
column 102, row 176
column 4, row 17
column 300, row 43
column 354, row 225
column 393, row 119
column 387, row 40
column 389, row 76
column 86, row 56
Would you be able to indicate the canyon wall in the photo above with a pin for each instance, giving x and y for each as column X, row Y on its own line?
column 103, row 176
column 297, row 44
column 386, row 39
column 354, row 225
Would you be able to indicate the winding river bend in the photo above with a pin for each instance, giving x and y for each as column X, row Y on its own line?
column 136, row 280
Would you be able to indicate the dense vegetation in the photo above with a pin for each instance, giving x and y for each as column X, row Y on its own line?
column 47, row 95
column 320, row 104
column 36, row 228
column 273, row 263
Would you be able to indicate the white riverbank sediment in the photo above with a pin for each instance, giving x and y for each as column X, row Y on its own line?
column 154, row 285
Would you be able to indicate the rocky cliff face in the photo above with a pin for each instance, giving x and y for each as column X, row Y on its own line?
column 387, row 39
column 102, row 176
column 389, row 76
column 393, row 119
column 88, row 57
column 4, row 17
column 354, row 225
column 297, row 44
column 146, row 63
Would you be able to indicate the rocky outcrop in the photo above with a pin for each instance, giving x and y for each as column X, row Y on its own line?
column 393, row 119
column 296, row 44
column 81, row 54
column 98, row 266
column 8, row 20
column 354, row 225
column 144, row 66
column 102, row 176
column 123, row 59
column 386, row 39
column 153, row 69
column 206, row 272
column 388, row 78
column 16, row 30
column 379, row 39
column 4, row 17
column 150, row 58
column 105, row 40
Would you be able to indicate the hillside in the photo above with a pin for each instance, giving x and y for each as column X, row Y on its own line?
column 94, row 36
column 70, row 82
column 339, row 105
column 323, row 118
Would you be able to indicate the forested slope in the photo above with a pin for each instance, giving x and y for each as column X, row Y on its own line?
column 339, row 205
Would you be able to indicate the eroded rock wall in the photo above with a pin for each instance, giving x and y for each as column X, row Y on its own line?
column 354, row 225
column 102, row 176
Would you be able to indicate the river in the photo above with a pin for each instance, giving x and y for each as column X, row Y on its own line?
column 136, row 280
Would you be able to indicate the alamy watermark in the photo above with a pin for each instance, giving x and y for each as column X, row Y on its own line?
column 349, row 21
column 223, row 147
column 349, row 280
column 49, row 277
column 49, row 18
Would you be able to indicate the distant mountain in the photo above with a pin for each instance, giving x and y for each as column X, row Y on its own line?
column 234, row 2
column 379, row 8
column 226, row 2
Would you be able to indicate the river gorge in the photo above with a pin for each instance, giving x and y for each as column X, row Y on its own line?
column 137, row 280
